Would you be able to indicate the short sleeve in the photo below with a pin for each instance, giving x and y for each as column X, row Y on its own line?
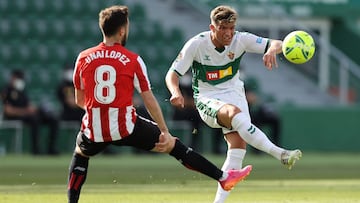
column 141, row 79
column 185, row 58
column 77, row 73
column 253, row 43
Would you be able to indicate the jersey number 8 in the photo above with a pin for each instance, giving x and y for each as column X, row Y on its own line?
column 105, row 77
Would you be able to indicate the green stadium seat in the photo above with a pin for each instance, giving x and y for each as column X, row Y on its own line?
column 20, row 6
column 137, row 13
column 10, row 27
column 175, row 37
column 74, row 48
column 39, row 6
column 156, row 33
column 5, row 74
column 24, row 53
column 6, row 52
column 5, row 7
column 57, row 52
column 77, row 28
column 6, row 28
column 57, row 7
column 139, row 33
column 108, row 3
column 77, row 7
column 161, row 58
column 92, row 7
column 61, row 53
column 41, row 27
column 92, row 30
column 23, row 28
column 132, row 47
column 42, row 53
column 59, row 29
column 40, row 76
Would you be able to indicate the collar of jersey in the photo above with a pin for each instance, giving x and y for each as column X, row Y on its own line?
column 211, row 44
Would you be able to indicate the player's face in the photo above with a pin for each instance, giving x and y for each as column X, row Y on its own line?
column 222, row 33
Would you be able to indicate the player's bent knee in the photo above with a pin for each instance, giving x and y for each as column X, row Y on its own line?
column 78, row 151
column 167, row 148
column 226, row 114
column 170, row 146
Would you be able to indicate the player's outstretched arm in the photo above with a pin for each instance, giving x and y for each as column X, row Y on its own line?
column 172, row 83
column 154, row 110
column 269, row 57
column 166, row 140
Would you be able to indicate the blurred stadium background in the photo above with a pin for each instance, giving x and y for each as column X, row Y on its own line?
column 319, row 102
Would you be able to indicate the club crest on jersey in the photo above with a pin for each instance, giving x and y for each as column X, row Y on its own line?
column 231, row 55
column 218, row 74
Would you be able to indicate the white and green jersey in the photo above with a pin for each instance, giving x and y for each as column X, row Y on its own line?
column 216, row 71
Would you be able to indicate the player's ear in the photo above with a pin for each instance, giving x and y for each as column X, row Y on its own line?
column 212, row 27
column 122, row 31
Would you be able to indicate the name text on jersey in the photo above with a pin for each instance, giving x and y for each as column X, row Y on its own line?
column 107, row 54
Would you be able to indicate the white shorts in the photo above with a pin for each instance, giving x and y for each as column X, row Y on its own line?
column 209, row 106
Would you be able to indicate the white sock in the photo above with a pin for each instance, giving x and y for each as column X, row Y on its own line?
column 254, row 136
column 233, row 161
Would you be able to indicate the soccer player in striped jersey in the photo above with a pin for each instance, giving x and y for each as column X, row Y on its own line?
column 214, row 58
column 105, row 78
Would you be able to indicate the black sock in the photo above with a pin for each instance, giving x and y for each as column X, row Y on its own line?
column 77, row 176
column 195, row 161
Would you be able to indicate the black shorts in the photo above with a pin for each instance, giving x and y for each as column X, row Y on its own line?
column 144, row 136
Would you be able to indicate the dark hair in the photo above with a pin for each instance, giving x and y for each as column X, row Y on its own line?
column 18, row 74
column 112, row 18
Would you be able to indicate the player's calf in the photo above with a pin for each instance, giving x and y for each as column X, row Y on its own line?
column 77, row 176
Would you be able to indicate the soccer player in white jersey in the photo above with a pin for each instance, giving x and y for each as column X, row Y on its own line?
column 105, row 77
column 214, row 57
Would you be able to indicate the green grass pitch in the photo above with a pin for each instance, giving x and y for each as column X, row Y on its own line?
column 325, row 178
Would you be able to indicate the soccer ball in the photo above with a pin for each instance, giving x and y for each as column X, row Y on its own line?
column 298, row 47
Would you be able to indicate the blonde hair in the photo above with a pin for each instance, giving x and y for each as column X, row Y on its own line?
column 223, row 14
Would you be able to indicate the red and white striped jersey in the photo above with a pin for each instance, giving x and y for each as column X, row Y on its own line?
column 108, row 76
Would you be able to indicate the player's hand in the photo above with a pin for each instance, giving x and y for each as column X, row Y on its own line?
column 269, row 59
column 165, row 142
column 177, row 100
